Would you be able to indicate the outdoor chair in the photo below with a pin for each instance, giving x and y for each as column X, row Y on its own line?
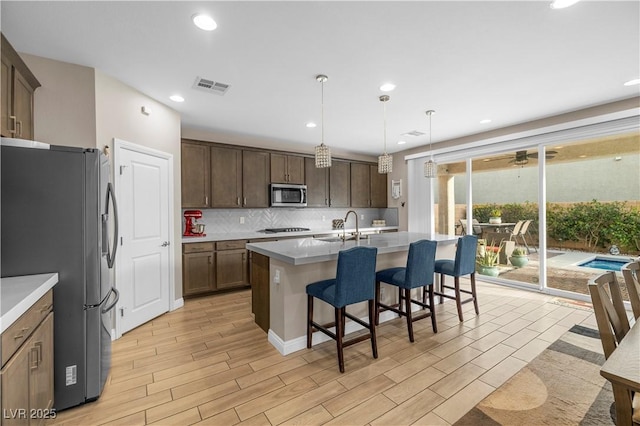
column 476, row 229
column 418, row 273
column 354, row 283
column 524, row 229
column 631, row 274
column 516, row 231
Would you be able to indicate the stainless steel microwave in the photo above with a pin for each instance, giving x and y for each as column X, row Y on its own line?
column 283, row 195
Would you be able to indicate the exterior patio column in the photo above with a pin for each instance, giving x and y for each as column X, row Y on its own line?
column 446, row 202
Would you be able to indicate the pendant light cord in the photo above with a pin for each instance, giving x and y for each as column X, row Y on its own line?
column 322, row 112
column 430, row 113
column 384, row 116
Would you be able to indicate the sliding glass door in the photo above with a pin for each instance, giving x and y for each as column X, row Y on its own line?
column 593, row 209
column 505, row 215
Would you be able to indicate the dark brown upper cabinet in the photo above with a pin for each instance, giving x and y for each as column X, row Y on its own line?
column 340, row 184
column 317, row 181
column 195, row 172
column 287, row 168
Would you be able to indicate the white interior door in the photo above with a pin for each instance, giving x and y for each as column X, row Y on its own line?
column 143, row 268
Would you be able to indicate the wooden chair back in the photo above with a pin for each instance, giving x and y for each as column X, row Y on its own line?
column 631, row 274
column 608, row 307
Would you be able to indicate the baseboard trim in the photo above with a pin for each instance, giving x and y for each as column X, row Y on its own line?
column 178, row 303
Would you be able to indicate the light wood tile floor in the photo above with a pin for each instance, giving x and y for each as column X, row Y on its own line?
column 208, row 363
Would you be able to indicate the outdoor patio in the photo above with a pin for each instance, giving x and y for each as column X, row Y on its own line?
column 563, row 272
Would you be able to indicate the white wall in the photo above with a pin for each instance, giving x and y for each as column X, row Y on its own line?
column 602, row 179
column 119, row 115
column 64, row 106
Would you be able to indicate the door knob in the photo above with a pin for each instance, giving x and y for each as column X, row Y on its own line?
column 165, row 244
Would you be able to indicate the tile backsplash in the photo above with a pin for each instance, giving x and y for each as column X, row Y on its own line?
column 239, row 220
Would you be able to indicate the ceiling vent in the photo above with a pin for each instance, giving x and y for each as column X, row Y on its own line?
column 211, row 86
column 413, row 133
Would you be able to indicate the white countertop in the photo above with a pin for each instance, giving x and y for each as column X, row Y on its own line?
column 18, row 294
column 253, row 235
column 310, row 250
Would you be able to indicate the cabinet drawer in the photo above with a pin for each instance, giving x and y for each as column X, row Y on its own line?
column 19, row 331
column 197, row 247
column 231, row 245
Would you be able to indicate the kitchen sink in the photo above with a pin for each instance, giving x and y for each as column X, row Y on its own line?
column 332, row 239
column 336, row 239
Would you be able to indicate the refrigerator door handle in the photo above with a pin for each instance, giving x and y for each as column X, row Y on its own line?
column 112, row 304
column 111, row 254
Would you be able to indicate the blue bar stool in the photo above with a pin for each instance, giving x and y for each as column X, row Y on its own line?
column 464, row 264
column 354, row 283
column 418, row 273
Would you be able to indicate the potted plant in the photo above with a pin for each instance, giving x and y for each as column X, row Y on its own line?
column 495, row 216
column 487, row 260
column 518, row 257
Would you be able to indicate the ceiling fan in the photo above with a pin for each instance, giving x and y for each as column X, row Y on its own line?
column 522, row 157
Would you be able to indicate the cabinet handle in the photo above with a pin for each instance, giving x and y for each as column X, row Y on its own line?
column 22, row 332
column 39, row 348
column 209, row 258
column 33, row 359
column 45, row 308
column 15, row 125
column 206, row 200
column 326, row 202
column 244, row 201
column 238, row 201
column 19, row 128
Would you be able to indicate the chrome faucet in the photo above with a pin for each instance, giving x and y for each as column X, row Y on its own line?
column 357, row 228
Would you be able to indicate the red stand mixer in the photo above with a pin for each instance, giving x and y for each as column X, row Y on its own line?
column 191, row 226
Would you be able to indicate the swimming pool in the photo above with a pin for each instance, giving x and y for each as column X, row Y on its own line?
column 604, row 263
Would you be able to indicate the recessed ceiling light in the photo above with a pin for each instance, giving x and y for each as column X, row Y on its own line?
column 176, row 98
column 485, row 121
column 311, row 125
column 632, row 82
column 387, row 87
column 204, row 22
column 561, row 4
column 401, row 142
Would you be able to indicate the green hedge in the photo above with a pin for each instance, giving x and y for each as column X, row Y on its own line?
column 594, row 223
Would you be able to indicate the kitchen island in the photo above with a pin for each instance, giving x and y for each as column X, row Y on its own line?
column 281, row 270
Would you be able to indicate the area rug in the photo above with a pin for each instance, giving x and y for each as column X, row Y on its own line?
column 562, row 386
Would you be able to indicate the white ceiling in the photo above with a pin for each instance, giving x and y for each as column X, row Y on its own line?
column 509, row 61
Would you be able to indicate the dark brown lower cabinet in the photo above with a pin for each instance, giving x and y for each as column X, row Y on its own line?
column 198, row 268
column 212, row 266
column 232, row 268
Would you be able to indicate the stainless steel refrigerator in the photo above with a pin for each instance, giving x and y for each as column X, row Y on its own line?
column 58, row 214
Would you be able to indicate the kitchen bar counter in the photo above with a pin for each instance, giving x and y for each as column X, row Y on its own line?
column 312, row 250
column 281, row 271
column 254, row 235
column 18, row 294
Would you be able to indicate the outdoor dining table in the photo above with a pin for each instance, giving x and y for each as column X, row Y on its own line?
column 622, row 369
column 495, row 227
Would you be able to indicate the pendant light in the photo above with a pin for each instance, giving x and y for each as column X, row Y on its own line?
column 430, row 167
column 323, row 152
column 385, row 161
